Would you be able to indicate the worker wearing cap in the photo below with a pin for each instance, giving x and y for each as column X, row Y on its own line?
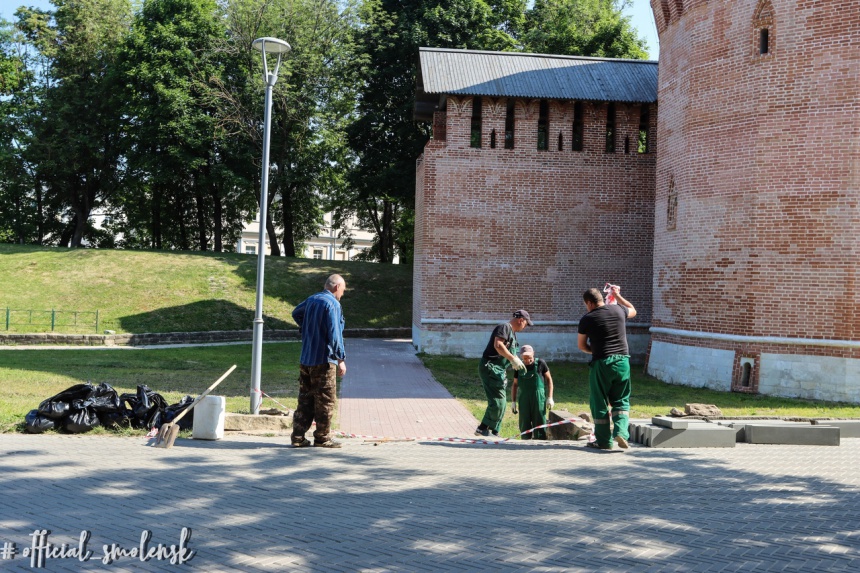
column 500, row 353
column 533, row 387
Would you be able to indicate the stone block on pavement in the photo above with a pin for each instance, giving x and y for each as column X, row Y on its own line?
column 847, row 428
column 798, row 435
column 694, row 436
column 674, row 423
column 740, row 426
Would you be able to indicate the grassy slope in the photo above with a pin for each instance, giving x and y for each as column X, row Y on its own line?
column 147, row 291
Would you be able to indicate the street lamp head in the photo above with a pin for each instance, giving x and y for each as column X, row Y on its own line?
column 271, row 45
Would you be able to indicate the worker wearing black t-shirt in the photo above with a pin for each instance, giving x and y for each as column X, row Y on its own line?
column 603, row 334
column 501, row 352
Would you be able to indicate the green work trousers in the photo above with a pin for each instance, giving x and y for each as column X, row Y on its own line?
column 609, row 387
column 531, row 402
column 495, row 381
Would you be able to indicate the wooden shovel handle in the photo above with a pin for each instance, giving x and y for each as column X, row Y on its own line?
column 201, row 396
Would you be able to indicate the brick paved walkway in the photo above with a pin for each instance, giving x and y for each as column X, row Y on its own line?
column 254, row 504
column 388, row 392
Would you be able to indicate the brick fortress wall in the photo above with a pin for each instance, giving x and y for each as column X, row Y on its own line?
column 501, row 229
column 758, row 197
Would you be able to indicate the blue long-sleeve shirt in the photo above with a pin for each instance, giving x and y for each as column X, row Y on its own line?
column 320, row 320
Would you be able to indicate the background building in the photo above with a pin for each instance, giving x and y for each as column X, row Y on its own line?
column 326, row 245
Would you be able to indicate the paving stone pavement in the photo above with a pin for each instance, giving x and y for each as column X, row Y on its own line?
column 387, row 391
column 255, row 504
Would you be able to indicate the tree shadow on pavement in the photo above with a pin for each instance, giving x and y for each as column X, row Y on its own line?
column 254, row 504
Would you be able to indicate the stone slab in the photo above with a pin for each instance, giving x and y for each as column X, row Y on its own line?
column 674, row 423
column 694, row 436
column 797, row 435
column 847, row 428
column 250, row 423
column 740, row 426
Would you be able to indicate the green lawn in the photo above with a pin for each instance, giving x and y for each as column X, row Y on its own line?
column 29, row 376
column 150, row 291
column 651, row 397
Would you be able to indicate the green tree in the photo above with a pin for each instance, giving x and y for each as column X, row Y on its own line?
column 312, row 99
column 174, row 145
column 581, row 28
column 77, row 142
column 25, row 215
column 384, row 137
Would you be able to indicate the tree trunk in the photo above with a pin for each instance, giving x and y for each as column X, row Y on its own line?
column 202, row 239
column 287, row 203
column 156, row 216
column 81, row 207
column 183, row 228
column 40, row 220
column 66, row 235
column 217, row 219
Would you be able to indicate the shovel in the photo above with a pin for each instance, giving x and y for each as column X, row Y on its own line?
column 168, row 432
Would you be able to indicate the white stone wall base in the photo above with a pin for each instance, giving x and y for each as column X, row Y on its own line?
column 812, row 377
column 548, row 345
column 691, row 365
column 789, row 375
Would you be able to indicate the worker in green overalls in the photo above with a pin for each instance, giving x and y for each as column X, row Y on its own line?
column 501, row 351
column 534, row 390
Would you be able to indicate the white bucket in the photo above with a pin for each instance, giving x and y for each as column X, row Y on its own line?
column 209, row 418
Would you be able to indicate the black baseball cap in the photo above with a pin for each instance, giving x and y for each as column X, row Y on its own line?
column 523, row 314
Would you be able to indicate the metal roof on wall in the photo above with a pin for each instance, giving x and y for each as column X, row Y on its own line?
column 545, row 76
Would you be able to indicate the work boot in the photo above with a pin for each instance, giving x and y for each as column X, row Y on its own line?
column 301, row 443
column 622, row 443
column 485, row 432
column 328, row 444
column 594, row 446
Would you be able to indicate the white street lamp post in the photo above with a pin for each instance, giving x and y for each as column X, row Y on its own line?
column 279, row 47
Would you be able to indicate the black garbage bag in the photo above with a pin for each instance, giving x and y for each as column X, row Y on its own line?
column 107, row 405
column 146, row 406
column 119, row 419
column 35, row 423
column 81, row 421
column 59, row 405
column 102, row 399
column 170, row 413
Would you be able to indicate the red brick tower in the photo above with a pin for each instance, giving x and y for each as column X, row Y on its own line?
column 757, row 217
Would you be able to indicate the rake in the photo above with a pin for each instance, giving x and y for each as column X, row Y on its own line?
column 168, row 432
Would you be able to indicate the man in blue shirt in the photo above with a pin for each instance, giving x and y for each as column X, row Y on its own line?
column 320, row 320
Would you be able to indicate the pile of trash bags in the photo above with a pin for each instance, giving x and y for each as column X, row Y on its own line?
column 83, row 407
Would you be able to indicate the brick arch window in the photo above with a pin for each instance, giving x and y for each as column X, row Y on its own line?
column 664, row 8
column 578, row 126
column 610, row 127
column 672, row 206
column 543, row 126
column 477, row 122
column 509, row 124
column 763, row 29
